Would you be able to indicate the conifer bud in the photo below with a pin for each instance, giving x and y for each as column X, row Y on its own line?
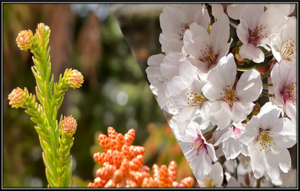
column 74, row 78
column 69, row 126
column 24, row 39
column 16, row 97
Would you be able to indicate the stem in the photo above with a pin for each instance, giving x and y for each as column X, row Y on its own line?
column 268, row 54
column 258, row 183
column 266, row 94
column 243, row 69
column 266, row 74
column 265, row 85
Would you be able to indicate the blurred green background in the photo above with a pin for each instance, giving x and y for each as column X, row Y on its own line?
column 115, row 92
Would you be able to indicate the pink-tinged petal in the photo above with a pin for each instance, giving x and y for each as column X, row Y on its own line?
column 155, row 60
column 190, row 10
column 212, row 92
column 276, row 44
column 188, row 71
column 242, row 32
column 272, row 168
column 171, row 19
column 219, row 77
column 249, row 86
column 202, row 17
column 211, row 152
column 217, row 174
column 271, row 121
column 266, row 108
column 240, row 110
column 170, row 44
column 187, row 150
column 205, row 110
column 244, row 150
column 233, row 183
column 184, row 117
column 201, row 66
column 286, row 138
column 284, row 159
column 251, row 52
column 170, row 65
column 251, row 132
column 216, row 9
column 201, row 165
column 235, row 11
column 225, row 136
column 162, row 96
column 273, row 20
column 258, row 160
column 195, row 39
column 252, row 15
column 176, row 86
column 220, row 114
column 231, row 148
column 289, row 30
column 290, row 110
column 220, row 32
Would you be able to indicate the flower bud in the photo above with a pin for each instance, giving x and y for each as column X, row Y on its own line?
column 74, row 78
column 69, row 126
column 16, row 97
column 24, row 39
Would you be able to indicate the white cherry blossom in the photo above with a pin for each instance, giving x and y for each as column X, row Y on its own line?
column 175, row 21
column 199, row 153
column 214, row 178
column 287, row 9
column 233, row 10
column 284, row 44
column 204, row 49
column 231, row 144
column 284, row 80
column 185, row 93
column 231, row 99
column 255, row 30
column 160, row 71
column 268, row 137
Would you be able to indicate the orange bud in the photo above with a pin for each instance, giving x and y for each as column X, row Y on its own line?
column 69, row 126
column 24, row 39
column 74, row 78
column 16, row 98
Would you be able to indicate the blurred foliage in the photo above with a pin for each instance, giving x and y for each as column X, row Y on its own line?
column 115, row 93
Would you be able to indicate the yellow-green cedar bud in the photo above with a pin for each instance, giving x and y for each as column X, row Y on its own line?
column 69, row 126
column 24, row 39
column 74, row 78
column 16, row 97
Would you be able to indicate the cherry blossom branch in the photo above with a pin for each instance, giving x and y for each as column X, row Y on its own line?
column 265, row 85
column 266, row 94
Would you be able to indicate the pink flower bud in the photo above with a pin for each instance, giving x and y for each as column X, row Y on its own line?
column 24, row 39
column 16, row 97
column 69, row 126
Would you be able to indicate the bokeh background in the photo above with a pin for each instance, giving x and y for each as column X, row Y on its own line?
column 115, row 92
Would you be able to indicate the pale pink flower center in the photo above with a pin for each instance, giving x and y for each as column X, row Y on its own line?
column 199, row 144
column 184, row 27
column 256, row 35
column 236, row 132
column 288, row 49
column 289, row 93
column 194, row 98
column 208, row 56
column 230, row 95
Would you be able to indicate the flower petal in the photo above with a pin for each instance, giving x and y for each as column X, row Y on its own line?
column 249, row 86
column 240, row 110
column 258, row 160
column 252, row 53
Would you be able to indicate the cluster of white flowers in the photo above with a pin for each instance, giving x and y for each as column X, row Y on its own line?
column 217, row 117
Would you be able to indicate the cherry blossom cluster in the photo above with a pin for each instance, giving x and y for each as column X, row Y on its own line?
column 211, row 84
column 122, row 165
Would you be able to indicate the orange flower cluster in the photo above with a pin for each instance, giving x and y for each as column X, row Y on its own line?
column 123, row 165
